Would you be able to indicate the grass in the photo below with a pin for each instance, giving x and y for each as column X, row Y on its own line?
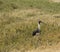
column 24, row 4
column 19, row 18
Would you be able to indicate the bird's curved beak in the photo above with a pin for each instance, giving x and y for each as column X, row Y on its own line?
column 43, row 22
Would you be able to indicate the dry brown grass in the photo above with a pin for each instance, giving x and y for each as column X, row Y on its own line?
column 33, row 14
column 55, row 48
column 20, row 20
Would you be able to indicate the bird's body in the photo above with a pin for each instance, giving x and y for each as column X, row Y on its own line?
column 37, row 30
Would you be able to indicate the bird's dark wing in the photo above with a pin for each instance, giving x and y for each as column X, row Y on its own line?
column 34, row 33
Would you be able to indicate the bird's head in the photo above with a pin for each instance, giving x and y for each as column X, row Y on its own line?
column 39, row 22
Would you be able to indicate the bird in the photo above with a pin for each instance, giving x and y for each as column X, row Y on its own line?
column 38, row 30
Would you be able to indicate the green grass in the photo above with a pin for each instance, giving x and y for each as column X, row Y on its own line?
column 45, row 5
column 16, row 26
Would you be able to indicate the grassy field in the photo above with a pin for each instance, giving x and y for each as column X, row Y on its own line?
column 18, row 18
column 46, row 5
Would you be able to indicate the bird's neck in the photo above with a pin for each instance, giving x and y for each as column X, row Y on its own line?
column 38, row 26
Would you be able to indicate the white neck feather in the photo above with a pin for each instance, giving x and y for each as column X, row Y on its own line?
column 38, row 26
